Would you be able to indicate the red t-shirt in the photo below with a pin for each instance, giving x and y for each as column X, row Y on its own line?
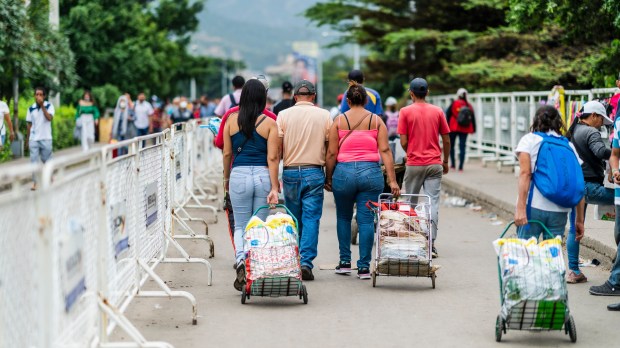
column 454, row 125
column 219, row 140
column 422, row 123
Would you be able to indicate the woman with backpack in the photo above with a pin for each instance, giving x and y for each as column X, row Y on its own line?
column 585, row 136
column 545, row 154
column 251, row 158
column 391, row 118
column 357, row 139
column 462, row 122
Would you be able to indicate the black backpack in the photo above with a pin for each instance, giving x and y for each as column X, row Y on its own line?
column 465, row 117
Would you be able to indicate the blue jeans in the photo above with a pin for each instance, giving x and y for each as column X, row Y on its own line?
column 462, row 148
column 594, row 194
column 356, row 183
column 553, row 220
column 614, row 278
column 249, row 187
column 303, row 196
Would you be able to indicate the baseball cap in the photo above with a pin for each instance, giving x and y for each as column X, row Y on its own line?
column 304, row 84
column 596, row 107
column 340, row 97
column 390, row 101
column 357, row 76
column 461, row 92
column 263, row 80
column 418, row 85
column 287, row 87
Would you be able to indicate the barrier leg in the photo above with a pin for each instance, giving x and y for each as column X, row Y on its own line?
column 167, row 292
column 187, row 258
column 191, row 234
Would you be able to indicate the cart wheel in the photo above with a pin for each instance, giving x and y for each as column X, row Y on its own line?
column 499, row 327
column 243, row 295
column 305, row 294
column 571, row 329
column 354, row 229
column 374, row 279
column 433, row 276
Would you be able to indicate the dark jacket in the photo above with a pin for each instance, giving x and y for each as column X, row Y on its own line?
column 592, row 151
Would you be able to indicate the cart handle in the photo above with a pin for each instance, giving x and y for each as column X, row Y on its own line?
column 274, row 206
column 545, row 229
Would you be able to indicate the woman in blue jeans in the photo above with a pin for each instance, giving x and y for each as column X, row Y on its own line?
column 546, row 120
column 356, row 140
column 250, row 164
column 585, row 135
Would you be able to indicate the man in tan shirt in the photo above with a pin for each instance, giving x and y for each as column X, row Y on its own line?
column 304, row 129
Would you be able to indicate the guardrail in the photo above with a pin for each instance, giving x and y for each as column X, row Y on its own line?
column 503, row 118
column 76, row 252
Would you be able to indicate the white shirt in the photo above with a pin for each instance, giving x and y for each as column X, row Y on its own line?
column 530, row 143
column 4, row 109
column 142, row 111
column 226, row 104
column 41, row 128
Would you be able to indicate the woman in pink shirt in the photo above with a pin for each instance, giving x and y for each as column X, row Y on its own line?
column 356, row 140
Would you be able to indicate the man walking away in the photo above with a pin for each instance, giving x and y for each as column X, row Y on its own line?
column 232, row 99
column 420, row 125
column 7, row 124
column 304, row 130
column 143, row 114
column 373, row 103
column 287, row 101
column 39, row 118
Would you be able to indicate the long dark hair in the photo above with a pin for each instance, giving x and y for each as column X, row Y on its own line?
column 548, row 118
column 356, row 94
column 251, row 105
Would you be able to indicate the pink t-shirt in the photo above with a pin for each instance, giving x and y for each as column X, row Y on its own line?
column 422, row 123
column 360, row 146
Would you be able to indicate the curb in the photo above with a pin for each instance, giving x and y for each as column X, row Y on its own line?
column 590, row 247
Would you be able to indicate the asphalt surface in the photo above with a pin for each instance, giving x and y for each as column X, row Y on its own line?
column 344, row 311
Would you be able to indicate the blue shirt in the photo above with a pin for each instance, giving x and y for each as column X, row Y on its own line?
column 616, row 145
column 373, row 104
column 253, row 153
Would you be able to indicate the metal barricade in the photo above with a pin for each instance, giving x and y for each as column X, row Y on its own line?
column 207, row 164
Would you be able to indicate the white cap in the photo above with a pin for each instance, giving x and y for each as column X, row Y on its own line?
column 461, row 92
column 596, row 107
column 390, row 101
column 262, row 79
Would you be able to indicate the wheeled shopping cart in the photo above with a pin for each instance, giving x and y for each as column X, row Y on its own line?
column 403, row 243
column 532, row 285
column 272, row 257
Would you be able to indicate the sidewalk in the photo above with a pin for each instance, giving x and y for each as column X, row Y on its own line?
column 498, row 193
column 59, row 153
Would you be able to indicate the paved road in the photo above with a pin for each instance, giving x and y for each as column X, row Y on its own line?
column 346, row 312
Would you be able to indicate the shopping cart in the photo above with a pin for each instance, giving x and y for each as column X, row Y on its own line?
column 532, row 286
column 273, row 264
column 403, row 247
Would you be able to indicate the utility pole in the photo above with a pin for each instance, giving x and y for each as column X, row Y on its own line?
column 54, row 20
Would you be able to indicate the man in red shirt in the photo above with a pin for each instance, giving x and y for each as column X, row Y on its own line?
column 420, row 125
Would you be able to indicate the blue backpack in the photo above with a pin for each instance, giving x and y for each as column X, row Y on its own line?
column 557, row 173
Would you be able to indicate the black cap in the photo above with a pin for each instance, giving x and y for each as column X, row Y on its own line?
column 304, row 87
column 357, row 76
column 418, row 85
column 287, row 87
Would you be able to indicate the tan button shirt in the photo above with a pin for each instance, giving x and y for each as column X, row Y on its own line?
column 304, row 129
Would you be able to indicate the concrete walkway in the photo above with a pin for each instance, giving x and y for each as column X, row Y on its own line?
column 498, row 192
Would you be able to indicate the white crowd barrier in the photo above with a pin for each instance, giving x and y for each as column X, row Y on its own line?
column 77, row 251
column 503, row 118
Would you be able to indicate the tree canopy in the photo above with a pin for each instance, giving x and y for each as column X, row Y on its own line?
column 484, row 45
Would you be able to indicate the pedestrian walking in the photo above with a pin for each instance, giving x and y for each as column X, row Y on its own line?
column 357, row 139
column 420, row 125
column 143, row 114
column 545, row 154
column 39, row 119
column 462, row 122
column 86, row 120
column 5, row 124
column 304, row 130
column 373, row 100
column 585, row 136
column 391, row 118
column 287, row 100
column 182, row 113
column 251, row 157
column 232, row 99
column 207, row 107
column 335, row 110
column 611, row 287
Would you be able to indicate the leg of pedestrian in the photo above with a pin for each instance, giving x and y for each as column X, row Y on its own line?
column 312, row 194
column 370, row 187
column 432, row 187
column 462, row 149
column 344, row 194
column 452, row 157
column 241, row 196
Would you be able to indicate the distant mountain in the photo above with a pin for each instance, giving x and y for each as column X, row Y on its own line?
column 259, row 32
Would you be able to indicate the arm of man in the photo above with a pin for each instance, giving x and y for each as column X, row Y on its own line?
column 48, row 113
column 404, row 141
column 579, row 226
column 332, row 154
column 597, row 146
column 445, row 139
column 9, row 125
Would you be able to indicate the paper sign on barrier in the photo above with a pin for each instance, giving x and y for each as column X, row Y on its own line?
column 151, row 203
column 119, row 234
column 72, row 277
